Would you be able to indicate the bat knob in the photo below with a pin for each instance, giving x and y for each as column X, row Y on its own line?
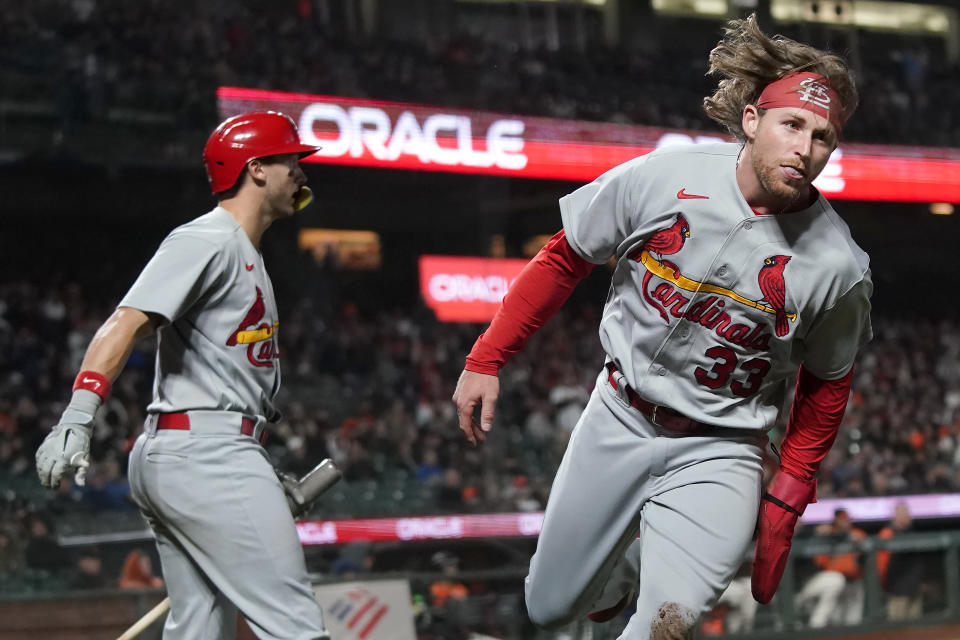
column 321, row 477
column 302, row 493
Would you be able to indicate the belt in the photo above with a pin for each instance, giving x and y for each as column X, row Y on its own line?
column 665, row 417
column 181, row 422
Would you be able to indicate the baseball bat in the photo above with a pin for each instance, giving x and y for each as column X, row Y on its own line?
column 148, row 619
column 319, row 479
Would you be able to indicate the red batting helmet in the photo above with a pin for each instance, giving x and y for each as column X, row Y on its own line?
column 245, row 137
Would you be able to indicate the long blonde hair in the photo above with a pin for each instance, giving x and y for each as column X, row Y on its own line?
column 748, row 60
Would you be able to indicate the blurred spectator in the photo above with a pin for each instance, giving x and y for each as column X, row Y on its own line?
column 106, row 488
column 42, row 550
column 451, row 611
column 429, row 468
column 523, row 496
column 569, row 398
column 137, row 572
column 448, row 587
column 450, row 493
column 354, row 559
column 835, row 594
column 358, row 465
column 90, row 570
column 901, row 574
column 12, row 559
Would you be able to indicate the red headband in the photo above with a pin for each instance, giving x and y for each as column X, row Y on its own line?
column 803, row 90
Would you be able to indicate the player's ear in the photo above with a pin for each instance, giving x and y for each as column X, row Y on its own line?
column 256, row 170
column 750, row 121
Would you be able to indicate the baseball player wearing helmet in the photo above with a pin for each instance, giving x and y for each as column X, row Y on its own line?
column 732, row 274
column 198, row 472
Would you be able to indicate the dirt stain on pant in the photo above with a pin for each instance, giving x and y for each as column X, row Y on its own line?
column 673, row 622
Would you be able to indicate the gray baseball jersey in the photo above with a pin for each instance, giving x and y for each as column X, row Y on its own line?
column 688, row 320
column 218, row 350
column 226, row 538
column 711, row 310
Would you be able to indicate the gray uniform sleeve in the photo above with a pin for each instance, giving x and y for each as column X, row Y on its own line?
column 181, row 270
column 598, row 216
column 832, row 344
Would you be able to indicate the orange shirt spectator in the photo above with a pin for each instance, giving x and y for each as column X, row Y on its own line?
column 137, row 572
column 447, row 587
column 846, row 563
column 444, row 590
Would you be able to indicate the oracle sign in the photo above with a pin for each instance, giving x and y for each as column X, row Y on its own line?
column 462, row 289
column 429, row 528
column 439, row 138
column 454, row 527
column 407, row 136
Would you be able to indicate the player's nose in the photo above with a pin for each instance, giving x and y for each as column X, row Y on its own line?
column 804, row 145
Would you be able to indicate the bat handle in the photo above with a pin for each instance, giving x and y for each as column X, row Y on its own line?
column 148, row 619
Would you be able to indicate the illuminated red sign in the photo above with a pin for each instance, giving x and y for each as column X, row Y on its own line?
column 454, row 527
column 408, row 136
column 493, row 525
column 466, row 289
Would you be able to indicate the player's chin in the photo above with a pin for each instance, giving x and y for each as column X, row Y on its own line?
column 789, row 189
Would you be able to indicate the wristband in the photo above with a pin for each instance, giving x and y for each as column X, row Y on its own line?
column 93, row 381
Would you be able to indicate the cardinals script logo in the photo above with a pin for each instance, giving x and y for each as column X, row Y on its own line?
column 261, row 349
column 709, row 311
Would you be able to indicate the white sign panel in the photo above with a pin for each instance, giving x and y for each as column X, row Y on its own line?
column 374, row 610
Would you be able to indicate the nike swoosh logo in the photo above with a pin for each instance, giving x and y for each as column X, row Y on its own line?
column 96, row 383
column 249, row 267
column 683, row 195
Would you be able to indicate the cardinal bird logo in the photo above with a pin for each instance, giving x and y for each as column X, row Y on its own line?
column 664, row 243
column 773, row 288
column 261, row 332
column 670, row 240
column 253, row 317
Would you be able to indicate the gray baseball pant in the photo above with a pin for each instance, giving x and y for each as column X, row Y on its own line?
column 226, row 538
column 693, row 501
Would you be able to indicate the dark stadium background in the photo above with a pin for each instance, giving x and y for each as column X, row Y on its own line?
column 96, row 168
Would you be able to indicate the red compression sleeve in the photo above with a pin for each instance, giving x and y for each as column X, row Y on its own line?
column 815, row 418
column 537, row 293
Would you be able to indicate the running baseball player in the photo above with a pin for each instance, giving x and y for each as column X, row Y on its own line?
column 732, row 274
column 198, row 472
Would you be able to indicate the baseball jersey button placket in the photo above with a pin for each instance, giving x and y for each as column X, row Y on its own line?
column 748, row 225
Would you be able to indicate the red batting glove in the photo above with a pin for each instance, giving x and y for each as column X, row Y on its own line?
column 781, row 506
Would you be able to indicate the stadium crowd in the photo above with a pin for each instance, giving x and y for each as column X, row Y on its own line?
column 374, row 393
column 97, row 60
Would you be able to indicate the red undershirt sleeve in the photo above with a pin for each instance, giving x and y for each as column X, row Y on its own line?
column 815, row 417
column 534, row 297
